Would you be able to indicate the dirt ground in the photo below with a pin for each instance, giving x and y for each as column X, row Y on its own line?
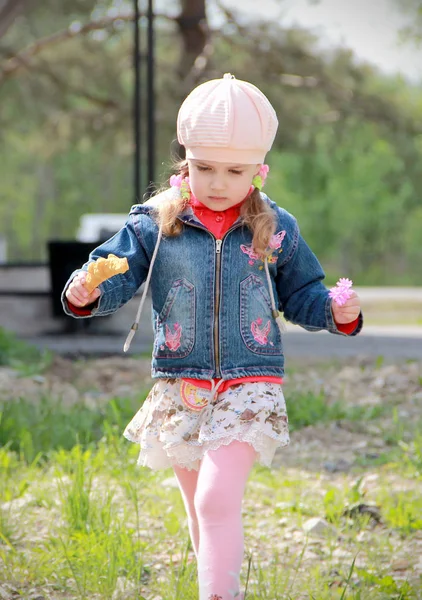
column 334, row 447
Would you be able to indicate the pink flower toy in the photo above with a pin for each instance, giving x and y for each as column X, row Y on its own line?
column 342, row 292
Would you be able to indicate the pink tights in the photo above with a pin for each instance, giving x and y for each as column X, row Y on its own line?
column 213, row 501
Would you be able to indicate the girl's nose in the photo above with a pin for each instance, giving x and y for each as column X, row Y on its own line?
column 217, row 183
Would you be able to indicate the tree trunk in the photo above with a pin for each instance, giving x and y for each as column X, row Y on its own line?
column 194, row 30
column 9, row 10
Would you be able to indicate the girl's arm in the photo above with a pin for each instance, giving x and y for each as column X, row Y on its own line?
column 119, row 289
column 303, row 297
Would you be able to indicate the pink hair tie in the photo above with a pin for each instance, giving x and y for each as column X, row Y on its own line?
column 176, row 180
column 342, row 292
column 181, row 185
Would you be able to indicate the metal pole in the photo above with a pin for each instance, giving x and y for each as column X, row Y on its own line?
column 150, row 100
column 137, row 107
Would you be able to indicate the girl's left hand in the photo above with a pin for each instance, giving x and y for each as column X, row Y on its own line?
column 348, row 312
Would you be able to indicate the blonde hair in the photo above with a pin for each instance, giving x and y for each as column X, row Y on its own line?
column 255, row 213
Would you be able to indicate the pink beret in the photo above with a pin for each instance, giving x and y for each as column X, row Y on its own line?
column 227, row 120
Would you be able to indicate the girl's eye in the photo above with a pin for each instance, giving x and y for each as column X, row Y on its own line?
column 202, row 169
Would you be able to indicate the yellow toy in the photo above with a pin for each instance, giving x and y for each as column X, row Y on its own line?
column 104, row 268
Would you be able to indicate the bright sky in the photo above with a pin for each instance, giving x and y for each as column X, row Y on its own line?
column 369, row 27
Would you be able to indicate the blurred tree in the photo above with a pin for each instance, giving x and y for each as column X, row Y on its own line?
column 9, row 10
column 346, row 159
column 413, row 31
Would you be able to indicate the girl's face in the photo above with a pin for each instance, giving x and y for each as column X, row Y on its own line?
column 220, row 185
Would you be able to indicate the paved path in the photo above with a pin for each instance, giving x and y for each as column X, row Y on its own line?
column 392, row 342
column 399, row 342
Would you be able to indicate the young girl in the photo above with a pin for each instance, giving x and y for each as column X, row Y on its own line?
column 221, row 260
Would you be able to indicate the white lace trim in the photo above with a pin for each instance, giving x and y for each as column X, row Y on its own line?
column 187, row 455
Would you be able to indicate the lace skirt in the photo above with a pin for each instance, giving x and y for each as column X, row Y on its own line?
column 178, row 422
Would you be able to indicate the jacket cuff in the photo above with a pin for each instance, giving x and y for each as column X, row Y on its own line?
column 82, row 311
column 348, row 328
column 352, row 328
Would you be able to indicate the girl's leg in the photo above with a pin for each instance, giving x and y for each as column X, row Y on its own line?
column 218, row 501
column 187, row 482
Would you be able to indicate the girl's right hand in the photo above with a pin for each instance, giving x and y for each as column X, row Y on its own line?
column 77, row 294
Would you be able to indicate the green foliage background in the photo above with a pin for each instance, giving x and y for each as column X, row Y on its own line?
column 346, row 161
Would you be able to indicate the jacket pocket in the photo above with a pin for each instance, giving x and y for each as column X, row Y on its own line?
column 258, row 328
column 175, row 324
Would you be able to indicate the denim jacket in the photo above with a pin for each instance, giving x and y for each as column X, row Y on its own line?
column 211, row 308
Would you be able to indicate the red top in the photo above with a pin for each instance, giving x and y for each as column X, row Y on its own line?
column 218, row 223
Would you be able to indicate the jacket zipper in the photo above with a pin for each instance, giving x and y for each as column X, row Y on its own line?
column 218, row 244
column 216, row 332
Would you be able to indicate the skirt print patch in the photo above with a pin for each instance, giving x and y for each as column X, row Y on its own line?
column 194, row 397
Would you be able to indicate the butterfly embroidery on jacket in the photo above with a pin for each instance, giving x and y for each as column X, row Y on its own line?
column 275, row 244
column 173, row 337
column 259, row 332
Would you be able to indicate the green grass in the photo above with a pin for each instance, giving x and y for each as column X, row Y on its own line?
column 34, row 429
column 23, row 357
column 79, row 519
column 309, row 409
